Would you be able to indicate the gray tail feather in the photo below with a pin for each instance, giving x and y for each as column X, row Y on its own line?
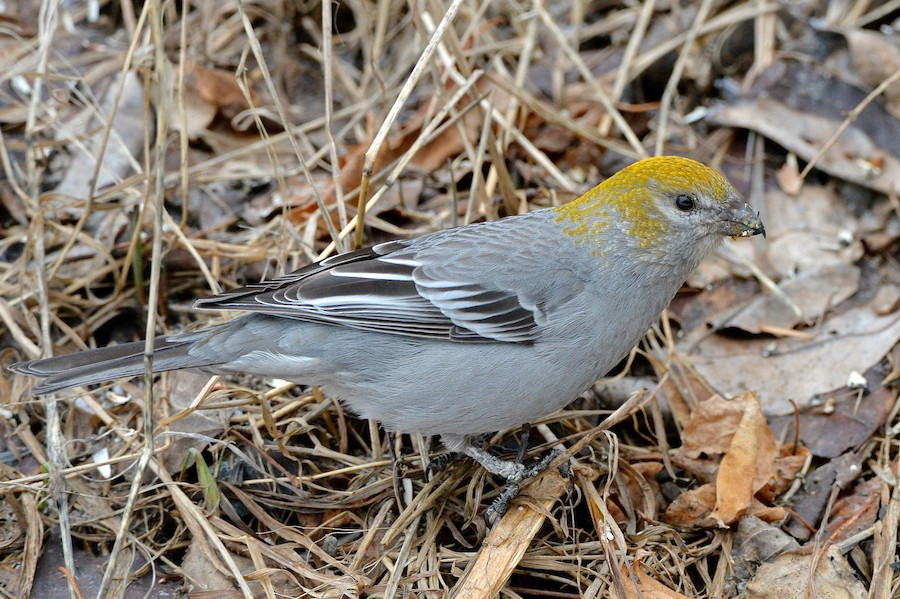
column 108, row 363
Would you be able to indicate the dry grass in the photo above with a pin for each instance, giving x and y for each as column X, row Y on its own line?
column 267, row 482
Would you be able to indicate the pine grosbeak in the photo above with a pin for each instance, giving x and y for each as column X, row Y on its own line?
column 467, row 330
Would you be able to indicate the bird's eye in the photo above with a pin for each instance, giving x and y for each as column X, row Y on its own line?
column 684, row 202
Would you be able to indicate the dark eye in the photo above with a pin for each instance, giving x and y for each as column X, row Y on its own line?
column 684, row 202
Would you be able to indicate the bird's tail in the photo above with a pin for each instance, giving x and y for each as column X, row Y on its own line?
column 108, row 363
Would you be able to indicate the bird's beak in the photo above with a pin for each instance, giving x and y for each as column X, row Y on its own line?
column 741, row 221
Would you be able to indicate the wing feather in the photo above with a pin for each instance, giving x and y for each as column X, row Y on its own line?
column 400, row 288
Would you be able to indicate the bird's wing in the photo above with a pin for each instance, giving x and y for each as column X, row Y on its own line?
column 426, row 290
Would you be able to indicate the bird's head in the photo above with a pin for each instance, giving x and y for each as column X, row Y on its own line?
column 665, row 209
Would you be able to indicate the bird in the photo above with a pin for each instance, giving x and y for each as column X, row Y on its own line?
column 462, row 331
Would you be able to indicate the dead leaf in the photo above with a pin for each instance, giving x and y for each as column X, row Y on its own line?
column 854, row 512
column 788, row 576
column 887, row 299
column 692, row 508
column 876, row 57
column 809, row 502
column 696, row 312
column 218, row 87
column 809, row 231
column 844, row 419
column 124, row 148
column 787, row 466
column 206, row 93
column 752, row 449
column 770, row 514
column 647, row 587
column 788, row 176
column 755, row 542
column 201, row 574
column 712, row 426
column 800, row 106
column 796, row 369
column 813, row 291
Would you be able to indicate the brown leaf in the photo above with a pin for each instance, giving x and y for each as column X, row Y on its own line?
column 695, row 311
column 809, row 502
column 770, row 514
column 217, row 87
column 712, row 425
column 797, row 369
column 855, row 512
column 788, row 177
column 647, row 587
column 207, row 93
column 692, row 508
column 787, row 466
column 752, row 449
column 843, row 419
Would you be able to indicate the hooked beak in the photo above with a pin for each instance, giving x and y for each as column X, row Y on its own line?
column 741, row 221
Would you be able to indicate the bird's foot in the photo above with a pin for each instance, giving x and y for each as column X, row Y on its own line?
column 504, row 500
column 501, row 503
column 440, row 462
column 515, row 473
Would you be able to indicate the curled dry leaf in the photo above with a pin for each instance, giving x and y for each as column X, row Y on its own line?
column 692, row 508
column 752, row 449
column 790, row 462
column 738, row 431
column 711, row 428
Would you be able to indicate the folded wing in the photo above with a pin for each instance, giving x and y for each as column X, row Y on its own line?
column 394, row 288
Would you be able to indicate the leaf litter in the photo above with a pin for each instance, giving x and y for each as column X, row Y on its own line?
column 751, row 440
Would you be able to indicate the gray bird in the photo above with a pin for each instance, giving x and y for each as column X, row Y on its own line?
column 468, row 330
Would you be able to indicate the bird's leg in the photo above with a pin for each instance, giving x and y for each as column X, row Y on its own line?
column 460, row 444
column 396, row 466
column 523, row 442
column 512, row 471
column 501, row 504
